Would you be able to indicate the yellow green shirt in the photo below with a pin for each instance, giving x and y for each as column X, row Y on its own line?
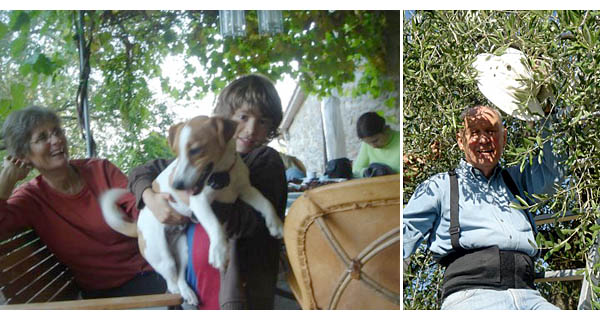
column 389, row 154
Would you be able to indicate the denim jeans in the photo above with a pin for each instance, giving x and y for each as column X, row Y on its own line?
column 293, row 173
column 487, row 299
column 148, row 282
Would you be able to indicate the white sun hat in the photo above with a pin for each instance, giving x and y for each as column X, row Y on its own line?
column 507, row 81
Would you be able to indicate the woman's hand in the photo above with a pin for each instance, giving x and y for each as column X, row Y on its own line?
column 158, row 203
column 13, row 171
column 17, row 169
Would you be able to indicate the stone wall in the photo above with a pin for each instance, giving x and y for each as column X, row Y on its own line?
column 305, row 140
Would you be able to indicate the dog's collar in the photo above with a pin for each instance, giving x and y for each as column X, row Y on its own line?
column 220, row 180
column 233, row 164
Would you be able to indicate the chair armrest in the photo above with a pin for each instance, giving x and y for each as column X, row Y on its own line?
column 135, row 302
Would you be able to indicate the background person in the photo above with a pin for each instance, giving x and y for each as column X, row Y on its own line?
column 294, row 168
column 61, row 205
column 379, row 152
column 250, row 279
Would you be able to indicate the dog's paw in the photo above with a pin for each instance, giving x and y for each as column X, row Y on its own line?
column 275, row 228
column 172, row 287
column 188, row 295
column 218, row 255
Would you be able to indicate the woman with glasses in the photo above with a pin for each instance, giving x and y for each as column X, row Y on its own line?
column 61, row 205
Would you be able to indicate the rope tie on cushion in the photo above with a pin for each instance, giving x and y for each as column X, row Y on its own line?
column 354, row 266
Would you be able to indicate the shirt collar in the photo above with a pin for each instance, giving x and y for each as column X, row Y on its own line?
column 465, row 168
column 390, row 136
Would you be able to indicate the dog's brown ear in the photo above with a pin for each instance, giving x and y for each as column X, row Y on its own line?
column 225, row 129
column 173, row 136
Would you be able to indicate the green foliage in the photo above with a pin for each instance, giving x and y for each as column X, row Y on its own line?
column 39, row 57
column 327, row 45
column 564, row 52
column 422, row 282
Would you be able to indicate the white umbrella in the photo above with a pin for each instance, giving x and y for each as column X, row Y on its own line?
column 507, row 81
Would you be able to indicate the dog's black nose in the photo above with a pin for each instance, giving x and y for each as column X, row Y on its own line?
column 178, row 185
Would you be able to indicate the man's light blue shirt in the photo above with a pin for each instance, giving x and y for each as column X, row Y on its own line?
column 485, row 215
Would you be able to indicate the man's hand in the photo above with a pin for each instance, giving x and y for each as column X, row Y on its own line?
column 13, row 171
column 158, row 203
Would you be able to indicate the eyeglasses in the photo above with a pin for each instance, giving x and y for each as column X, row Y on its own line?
column 45, row 136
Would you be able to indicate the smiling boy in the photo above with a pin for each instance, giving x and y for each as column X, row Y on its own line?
column 249, row 282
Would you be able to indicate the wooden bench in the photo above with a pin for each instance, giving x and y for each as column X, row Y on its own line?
column 32, row 278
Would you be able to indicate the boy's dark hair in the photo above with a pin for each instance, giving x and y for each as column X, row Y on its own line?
column 369, row 124
column 254, row 90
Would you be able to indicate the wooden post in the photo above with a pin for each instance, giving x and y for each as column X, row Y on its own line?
column 84, row 73
column 333, row 128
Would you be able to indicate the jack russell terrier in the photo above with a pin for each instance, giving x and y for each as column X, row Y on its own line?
column 207, row 169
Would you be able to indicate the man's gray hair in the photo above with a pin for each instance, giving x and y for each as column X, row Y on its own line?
column 19, row 125
column 468, row 110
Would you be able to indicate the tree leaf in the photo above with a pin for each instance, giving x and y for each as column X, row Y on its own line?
column 3, row 30
column 18, row 46
column 43, row 65
column 17, row 93
column 19, row 20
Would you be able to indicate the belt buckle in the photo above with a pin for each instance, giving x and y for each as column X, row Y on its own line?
column 454, row 230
